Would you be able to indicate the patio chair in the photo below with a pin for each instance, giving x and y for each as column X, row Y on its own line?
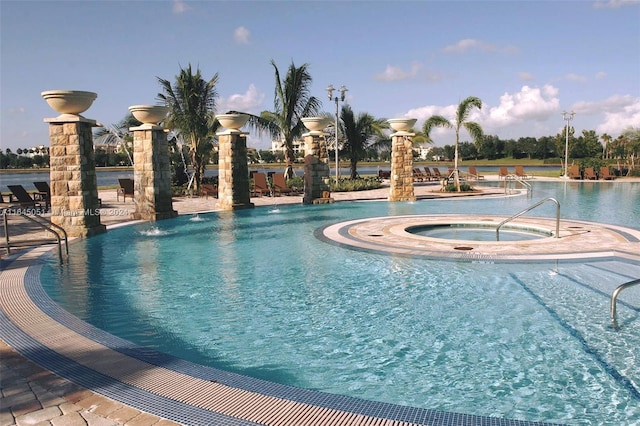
column 23, row 199
column 437, row 174
column 590, row 174
column 126, row 188
column 207, row 189
column 44, row 193
column 280, row 185
column 503, row 173
column 418, row 176
column 521, row 173
column 606, row 174
column 574, row 172
column 473, row 173
column 260, row 185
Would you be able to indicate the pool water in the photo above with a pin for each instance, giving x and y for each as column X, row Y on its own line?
column 254, row 292
column 473, row 233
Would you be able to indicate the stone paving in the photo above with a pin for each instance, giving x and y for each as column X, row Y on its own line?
column 30, row 395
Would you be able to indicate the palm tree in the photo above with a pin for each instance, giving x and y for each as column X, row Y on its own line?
column 117, row 134
column 359, row 133
column 192, row 104
column 462, row 113
column 292, row 101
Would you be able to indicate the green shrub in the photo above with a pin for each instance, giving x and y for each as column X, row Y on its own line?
column 464, row 187
column 361, row 184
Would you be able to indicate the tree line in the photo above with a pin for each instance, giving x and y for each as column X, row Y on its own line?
column 192, row 102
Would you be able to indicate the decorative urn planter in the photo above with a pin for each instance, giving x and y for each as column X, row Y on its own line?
column 316, row 124
column 71, row 102
column 149, row 115
column 402, row 124
column 233, row 122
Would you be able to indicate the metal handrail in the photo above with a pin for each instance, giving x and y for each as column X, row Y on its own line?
column 509, row 219
column 614, row 298
column 516, row 178
column 48, row 226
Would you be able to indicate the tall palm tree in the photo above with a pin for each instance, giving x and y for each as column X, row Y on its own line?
column 292, row 101
column 117, row 134
column 462, row 113
column 192, row 104
column 359, row 133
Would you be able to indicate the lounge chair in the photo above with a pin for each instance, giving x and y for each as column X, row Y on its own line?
column 384, row 174
column 260, row 185
column 473, row 173
column 437, row 174
column 574, row 172
column 606, row 174
column 428, row 174
column 590, row 174
column 126, row 188
column 207, row 189
column 503, row 173
column 280, row 185
column 44, row 193
column 23, row 199
column 418, row 176
column 521, row 173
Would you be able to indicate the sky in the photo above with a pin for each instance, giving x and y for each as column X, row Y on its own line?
column 528, row 61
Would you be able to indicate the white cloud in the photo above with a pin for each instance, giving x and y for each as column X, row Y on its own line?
column 467, row 44
column 392, row 73
column 576, row 77
column 241, row 35
column 530, row 103
column 179, row 6
column 250, row 101
column 619, row 112
column 601, row 75
column 614, row 4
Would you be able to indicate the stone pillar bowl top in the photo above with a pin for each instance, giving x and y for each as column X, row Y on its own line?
column 232, row 121
column 316, row 124
column 69, row 101
column 402, row 124
column 149, row 114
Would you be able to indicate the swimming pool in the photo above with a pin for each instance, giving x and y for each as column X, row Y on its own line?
column 254, row 292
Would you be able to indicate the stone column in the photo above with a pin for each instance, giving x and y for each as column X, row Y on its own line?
column 316, row 169
column 402, row 167
column 234, row 191
column 74, row 189
column 151, row 174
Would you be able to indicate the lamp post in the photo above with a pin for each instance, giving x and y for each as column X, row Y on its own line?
column 343, row 91
column 567, row 116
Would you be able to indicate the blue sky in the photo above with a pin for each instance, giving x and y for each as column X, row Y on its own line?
column 527, row 60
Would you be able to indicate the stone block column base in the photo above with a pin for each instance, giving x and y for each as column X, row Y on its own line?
column 234, row 191
column 151, row 174
column 74, row 189
column 316, row 176
column 401, row 167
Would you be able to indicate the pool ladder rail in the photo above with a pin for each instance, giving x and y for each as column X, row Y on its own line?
column 528, row 209
column 60, row 235
column 509, row 184
column 614, row 298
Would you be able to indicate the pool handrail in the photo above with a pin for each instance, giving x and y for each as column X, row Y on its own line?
column 42, row 223
column 515, row 178
column 614, row 298
column 517, row 215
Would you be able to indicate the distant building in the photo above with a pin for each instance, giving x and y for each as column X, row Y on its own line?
column 423, row 151
column 278, row 146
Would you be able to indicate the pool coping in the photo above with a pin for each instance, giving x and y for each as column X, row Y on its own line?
column 171, row 388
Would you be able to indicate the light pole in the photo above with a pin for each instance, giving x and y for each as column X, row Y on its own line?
column 343, row 91
column 567, row 116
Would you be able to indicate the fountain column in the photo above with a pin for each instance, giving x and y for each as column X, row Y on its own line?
column 401, row 186
column 151, row 168
column 234, row 189
column 316, row 162
column 74, row 190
